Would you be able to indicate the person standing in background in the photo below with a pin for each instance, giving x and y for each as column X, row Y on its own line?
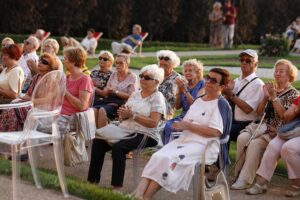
column 230, row 15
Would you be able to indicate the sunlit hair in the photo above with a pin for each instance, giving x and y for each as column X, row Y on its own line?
column 51, row 60
column 154, row 71
column 138, row 28
column 34, row 41
column 53, row 43
column 217, row 5
column 292, row 69
column 198, row 66
column 7, row 41
column 174, row 59
column 125, row 56
column 12, row 50
column 76, row 55
column 107, row 53
column 64, row 41
column 224, row 74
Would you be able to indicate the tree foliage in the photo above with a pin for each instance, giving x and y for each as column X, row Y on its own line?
column 170, row 20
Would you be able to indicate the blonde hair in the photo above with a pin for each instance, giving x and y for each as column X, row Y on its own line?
column 198, row 65
column 34, row 41
column 76, row 55
column 7, row 41
column 105, row 52
column 292, row 69
column 138, row 27
column 53, row 43
column 174, row 59
column 125, row 56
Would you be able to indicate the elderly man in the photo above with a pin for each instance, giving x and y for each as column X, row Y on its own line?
column 128, row 42
column 168, row 60
column 29, row 58
column 245, row 93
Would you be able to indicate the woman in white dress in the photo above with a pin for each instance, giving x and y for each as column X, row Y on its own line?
column 172, row 167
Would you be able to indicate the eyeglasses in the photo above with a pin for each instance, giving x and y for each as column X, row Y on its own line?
column 43, row 61
column 104, row 59
column 211, row 80
column 145, row 77
column 166, row 58
column 247, row 61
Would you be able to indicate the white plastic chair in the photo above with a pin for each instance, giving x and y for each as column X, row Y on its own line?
column 47, row 99
column 144, row 36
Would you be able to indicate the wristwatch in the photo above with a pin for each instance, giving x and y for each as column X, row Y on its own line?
column 276, row 99
column 117, row 91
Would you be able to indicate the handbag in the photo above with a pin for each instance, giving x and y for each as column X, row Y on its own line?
column 216, row 191
column 289, row 130
column 113, row 133
column 74, row 149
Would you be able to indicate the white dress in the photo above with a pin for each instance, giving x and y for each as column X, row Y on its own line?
column 172, row 167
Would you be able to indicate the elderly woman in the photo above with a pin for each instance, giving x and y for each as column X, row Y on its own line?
column 288, row 150
column 216, row 21
column 120, row 86
column 100, row 78
column 188, row 90
column 7, row 41
column 279, row 97
column 47, row 63
column 51, row 46
column 79, row 86
column 142, row 115
column 168, row 60
column 172, row 167
column 11, row 80
column 12, row 76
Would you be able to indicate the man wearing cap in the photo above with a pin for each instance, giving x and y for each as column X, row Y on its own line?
column 244, row 93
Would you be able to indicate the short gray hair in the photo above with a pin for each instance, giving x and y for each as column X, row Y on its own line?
column 105, row 52
column 155, row 72
column 174, row 59
column 125, row 56
column 34, row 41
column 53, row 43
column 198, row 65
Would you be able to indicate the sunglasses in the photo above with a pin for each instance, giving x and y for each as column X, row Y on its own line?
column 145, row 77
column 44, row 62
column 247, row 61
column 166, row 58
column 211, row 80
column 104, row 59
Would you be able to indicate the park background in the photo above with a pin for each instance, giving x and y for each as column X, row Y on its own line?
column 165, row 20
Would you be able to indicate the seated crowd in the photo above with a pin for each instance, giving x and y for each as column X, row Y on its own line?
column 145, row 106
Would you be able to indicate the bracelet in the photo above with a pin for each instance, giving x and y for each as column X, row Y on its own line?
column 117, row 91
column 185, row 92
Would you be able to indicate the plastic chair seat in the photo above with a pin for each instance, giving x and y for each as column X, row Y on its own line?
column 13, row 137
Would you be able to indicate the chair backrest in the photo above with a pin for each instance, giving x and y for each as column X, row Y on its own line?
column 98, row 35
column 48, row 94
column 144, row 36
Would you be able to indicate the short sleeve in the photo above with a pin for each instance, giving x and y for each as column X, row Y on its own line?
column 16, row 78
column 216, row 121
column 158, row 104
column 86, row 84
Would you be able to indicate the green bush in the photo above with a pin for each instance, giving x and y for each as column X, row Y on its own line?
column 274, row 46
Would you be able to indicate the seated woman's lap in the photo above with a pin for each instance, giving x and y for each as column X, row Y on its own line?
column 111, row 109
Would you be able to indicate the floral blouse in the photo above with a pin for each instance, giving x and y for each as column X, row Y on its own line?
column 169, row 89
column 100, row 79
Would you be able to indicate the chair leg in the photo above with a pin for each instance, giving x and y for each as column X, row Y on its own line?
column 196, row 182
column 15, row 171
column 58, row 155
column 33, row 164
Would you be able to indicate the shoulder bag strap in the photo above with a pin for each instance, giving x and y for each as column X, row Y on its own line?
column 239, row 92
